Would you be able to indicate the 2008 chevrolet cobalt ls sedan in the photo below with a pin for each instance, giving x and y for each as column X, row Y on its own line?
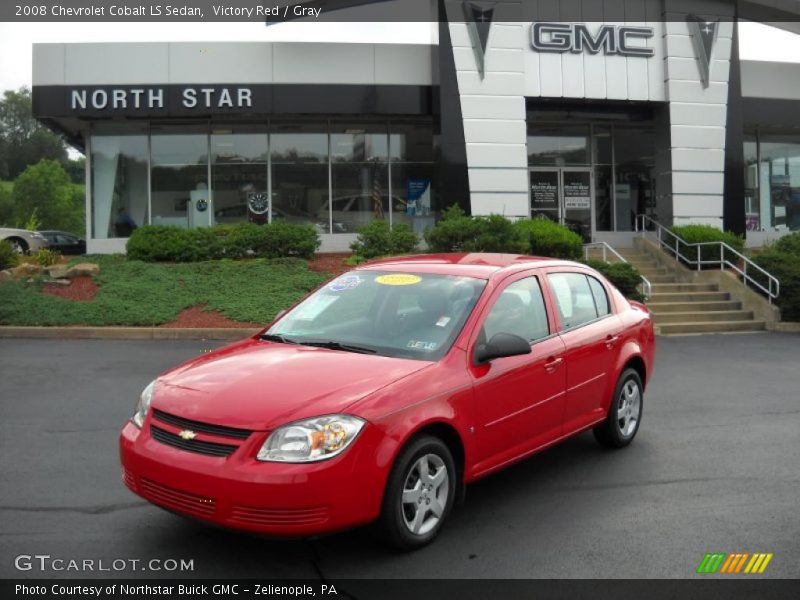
column 383, row 393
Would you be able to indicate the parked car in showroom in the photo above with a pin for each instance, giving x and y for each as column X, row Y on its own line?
column 382, row 394
column 23, row 241
column 65, row 242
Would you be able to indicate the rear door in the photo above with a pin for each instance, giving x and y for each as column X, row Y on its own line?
column 591, row 333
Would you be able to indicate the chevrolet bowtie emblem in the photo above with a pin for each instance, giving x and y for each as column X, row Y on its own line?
column 187, row 434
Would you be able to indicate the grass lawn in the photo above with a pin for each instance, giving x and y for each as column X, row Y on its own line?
column 144, row 294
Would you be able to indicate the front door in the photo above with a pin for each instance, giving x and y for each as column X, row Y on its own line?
column 564, row 195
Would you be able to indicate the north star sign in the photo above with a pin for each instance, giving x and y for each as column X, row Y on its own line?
column 620, row 40
column 155, row 98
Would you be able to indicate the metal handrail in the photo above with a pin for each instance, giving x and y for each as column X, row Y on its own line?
column 647, row 288
column 673, row 245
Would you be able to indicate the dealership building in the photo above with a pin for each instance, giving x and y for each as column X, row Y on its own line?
column 586, row 117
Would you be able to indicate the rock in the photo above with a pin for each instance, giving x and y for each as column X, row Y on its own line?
column 61, row 281
column 57, row 271
column 25, row 270
column 80, row 269
column 6, row 275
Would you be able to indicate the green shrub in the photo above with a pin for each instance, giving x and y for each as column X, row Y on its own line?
column 623, row 276
column 548, row 238
column 789, row 244
column 786, row 267
column 694, row 234
column 378, row 239
column 8, row 258
column 456, row 232
column 47, row 257
column 165, row 243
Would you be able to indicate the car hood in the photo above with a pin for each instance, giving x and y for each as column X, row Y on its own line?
column 259, row 385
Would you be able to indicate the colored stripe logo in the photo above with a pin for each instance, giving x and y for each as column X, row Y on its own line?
column 734, row 563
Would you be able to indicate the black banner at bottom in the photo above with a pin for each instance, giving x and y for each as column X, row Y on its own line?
column 405, row 589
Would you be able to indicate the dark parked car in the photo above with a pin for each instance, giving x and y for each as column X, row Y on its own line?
column 64, row 242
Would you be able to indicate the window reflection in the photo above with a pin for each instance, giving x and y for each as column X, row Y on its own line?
column 180, row 180
column 239, row 177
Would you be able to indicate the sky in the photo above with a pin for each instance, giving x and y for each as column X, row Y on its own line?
column 757, row 41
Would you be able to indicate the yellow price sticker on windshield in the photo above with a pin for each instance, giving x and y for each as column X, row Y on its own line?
column 398, row 279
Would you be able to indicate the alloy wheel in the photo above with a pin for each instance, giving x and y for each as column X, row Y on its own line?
column 425, row 494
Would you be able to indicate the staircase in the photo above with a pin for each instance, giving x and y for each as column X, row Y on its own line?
column 686, row 308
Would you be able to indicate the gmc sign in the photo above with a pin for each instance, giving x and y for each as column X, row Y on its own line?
column 576, row 38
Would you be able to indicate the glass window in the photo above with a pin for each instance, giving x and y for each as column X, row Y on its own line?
column 603, row 198
column 752, row 212
column 558, row 144
column 779, row 182
column 518, row 310
column 393, row 314
column 600, row 297
column 601, row 143
column 360, row 174
column 634, row 188
column 180, row 193
column 239, row 177
column 119, row 184
column 414, row 201
column 574, row 298
column 300, row 191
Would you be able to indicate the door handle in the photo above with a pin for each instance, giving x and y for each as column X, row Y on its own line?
column 552, row 363
column 611, row 340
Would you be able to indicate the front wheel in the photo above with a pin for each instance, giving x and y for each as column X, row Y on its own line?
column 419, row 493
column 625, row 412
column 18, row 246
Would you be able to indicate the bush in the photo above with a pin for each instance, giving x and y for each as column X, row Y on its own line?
column 694, row 234
column 623, row 276
column 8, row 258
column 548, row 238
column 786, row 267
column 456, row 232
column 45, row 190
column 789, row 244
column 47, row 257
column 165, row 243
column 378, row 239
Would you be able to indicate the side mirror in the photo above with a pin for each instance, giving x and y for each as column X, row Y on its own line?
column 500, row 346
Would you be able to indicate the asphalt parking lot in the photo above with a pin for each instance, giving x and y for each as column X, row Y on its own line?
column 713, row 469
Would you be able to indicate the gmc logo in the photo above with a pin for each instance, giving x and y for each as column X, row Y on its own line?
column 576, row 38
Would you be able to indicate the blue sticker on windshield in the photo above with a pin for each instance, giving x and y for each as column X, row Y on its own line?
column 348, row 282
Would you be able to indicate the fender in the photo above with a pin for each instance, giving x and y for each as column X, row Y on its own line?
column 630, row 348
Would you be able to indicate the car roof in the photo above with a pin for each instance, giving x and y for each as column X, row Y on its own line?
column 481, row 265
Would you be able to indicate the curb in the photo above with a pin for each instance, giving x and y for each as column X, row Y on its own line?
column 127, row 333
column 786, row 327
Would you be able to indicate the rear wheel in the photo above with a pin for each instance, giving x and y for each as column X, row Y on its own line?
column 625, row 412
column 419, row 494
column 18, row 246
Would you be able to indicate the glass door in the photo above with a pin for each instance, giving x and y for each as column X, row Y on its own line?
column 564, row 195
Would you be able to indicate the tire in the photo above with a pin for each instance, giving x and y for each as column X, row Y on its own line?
column 410, row 525
column 18, row 246
column 624, row 414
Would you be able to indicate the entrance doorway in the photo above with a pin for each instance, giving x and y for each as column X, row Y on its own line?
column 564, row 195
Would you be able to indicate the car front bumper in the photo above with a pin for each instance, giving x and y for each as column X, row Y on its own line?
column 240, row 492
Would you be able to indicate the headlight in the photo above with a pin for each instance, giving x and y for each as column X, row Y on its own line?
column 311, row 440
column 143, row 405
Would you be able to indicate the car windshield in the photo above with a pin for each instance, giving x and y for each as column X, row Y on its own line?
column 408, row 315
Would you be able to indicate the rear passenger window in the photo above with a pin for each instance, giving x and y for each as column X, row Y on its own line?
column 574, row 298
column 600, row 296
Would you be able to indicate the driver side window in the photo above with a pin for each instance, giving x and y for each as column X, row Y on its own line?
column 519, row 310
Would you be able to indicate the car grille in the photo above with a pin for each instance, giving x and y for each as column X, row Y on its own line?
column 199, row 446
column 220, row 430
column 279, row 516
column 176, row 499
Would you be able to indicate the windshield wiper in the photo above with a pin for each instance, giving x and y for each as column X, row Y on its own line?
column 334, row 345
column 277, row 337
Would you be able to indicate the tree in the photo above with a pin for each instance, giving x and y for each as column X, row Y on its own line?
column 23, row 140
column 46, row 188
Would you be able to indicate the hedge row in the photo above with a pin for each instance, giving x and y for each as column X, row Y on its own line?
column 694, row 234
column 782, row 260
column 164, row 243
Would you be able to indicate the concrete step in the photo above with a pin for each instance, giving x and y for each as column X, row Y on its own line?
column 662, row 318
column 646, row 264
column 710, row 327
column 654, row 272
column 661, row 278
column 662, row 307
column 663, row 288
column 689, row 297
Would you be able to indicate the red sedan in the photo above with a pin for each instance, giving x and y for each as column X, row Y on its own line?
column 383, row 393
